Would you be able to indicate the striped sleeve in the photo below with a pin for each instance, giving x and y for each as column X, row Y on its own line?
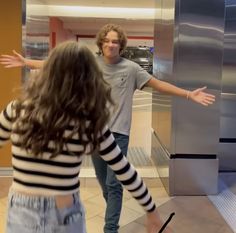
column 5, row 124
column 125, row 172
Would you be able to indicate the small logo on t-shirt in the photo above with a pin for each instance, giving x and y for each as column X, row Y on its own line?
column 123, row 79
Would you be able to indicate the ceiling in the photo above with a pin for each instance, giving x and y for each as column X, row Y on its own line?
column 100, row 3
column 87, row 21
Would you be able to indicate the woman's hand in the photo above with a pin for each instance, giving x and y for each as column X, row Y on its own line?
column 154, row 223
column 201, row 97
column 9, row 61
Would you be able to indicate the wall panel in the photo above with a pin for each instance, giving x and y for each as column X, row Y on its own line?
column 11, row 38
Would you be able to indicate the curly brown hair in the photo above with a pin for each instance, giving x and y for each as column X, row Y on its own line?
column 69, row 91
column 111, row 27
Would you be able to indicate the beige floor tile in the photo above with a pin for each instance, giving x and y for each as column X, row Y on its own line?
column 94, row 191
column 153, row 182
column 161, row 201
column 87, row 193
column 133, row 227
column 189, row 225
column 128, row 215
column 92, row 210
column 92, row 182
column 95, row 224
column 98, row 200
column 158, row 192
column 126, row 195
column 133, row 205
column 224, row 230
column 82, row 182
column 194, row 214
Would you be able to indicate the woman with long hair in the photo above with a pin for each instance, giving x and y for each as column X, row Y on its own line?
column 60, row 118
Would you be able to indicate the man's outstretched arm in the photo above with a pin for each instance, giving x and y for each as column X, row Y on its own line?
column 17, row 60
column 197, row 95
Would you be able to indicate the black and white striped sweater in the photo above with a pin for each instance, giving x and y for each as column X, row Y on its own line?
column 60, row 175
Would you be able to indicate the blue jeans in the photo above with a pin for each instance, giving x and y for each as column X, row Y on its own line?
column 111, row 187
column 38, row 214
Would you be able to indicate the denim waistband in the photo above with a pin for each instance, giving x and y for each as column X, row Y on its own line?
column 35, row 202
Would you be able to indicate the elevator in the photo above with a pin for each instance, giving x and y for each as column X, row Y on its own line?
column 194, row 47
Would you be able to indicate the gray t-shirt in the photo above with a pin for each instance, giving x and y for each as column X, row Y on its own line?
column 124, row 77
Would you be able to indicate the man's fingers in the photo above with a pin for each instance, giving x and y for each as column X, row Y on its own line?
column 9, row 66
column 210, row 95
column 5, row 56
column 17, row 54
column 209, row 98
column 4, row 62
column 208, row 101
column 202, row 88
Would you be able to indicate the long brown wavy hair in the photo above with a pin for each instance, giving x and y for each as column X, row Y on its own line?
column 69, row 91
column 111, row 27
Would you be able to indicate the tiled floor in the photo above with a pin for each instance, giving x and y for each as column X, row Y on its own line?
column 94, row 203
column 194, row 214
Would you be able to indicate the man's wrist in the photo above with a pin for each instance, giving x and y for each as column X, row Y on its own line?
column 188, row 95
column 24, row 61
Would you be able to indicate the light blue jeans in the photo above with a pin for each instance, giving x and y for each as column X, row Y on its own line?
column 33, row 214
column 111, row 187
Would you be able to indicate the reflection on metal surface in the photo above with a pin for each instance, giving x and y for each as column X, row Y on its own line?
column 161, row 160
column 35, row 37
column 163, row 68
column 161, row 118
column 200, row 43
column 188, row 53
column 228, row 97
column 37, row 33
column 193, row 176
